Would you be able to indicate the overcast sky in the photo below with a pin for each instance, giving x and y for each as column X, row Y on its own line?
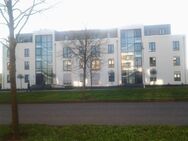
column 79, row 14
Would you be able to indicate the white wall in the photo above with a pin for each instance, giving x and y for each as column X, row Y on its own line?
column 5, row 85
column 20, row 59
column 164, row 59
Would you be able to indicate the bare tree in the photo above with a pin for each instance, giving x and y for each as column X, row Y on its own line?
column 15, row 16
column 86, row 48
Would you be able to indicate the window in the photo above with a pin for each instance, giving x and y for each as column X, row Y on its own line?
column 153, row 75
column 26, row 65
column 38, row 51
column 153, row 78
column 152, row 61
column 111, row 76
column 128, row 57
column 138, row 47
column 26, row 78
column 8, row 78
column 176, row 45
column 66, row 52
column 24, row 38
column 96, row 64
column 176, row 61
column 110, row 48
column 67, row 65
column 95, row 78
column 111, row 63
column 95, row 51
column 152, row 46
column 39, row 65
column 44, row 58
column 153, row 72
column 26, row 52
column 126, row 64
column 67, row 79
column 162, row 31
column 177, row 76
column 130, row 47
column 138, row 62
column 138, row 54
column 137, row 33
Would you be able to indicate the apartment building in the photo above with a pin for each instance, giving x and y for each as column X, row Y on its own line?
column 147, row 55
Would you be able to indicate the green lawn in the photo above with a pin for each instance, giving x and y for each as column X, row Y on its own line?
column 111, row 94
column 98, row 133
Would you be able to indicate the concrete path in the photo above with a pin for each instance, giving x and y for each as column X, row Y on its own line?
column 173, row 113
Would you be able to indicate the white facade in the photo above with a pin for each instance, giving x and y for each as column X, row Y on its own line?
column 162, row 72
column 164, row 55
column 74, row 74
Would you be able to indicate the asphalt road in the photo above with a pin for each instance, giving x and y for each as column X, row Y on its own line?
column 163, row 113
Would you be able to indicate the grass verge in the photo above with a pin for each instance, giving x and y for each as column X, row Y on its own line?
column 98, row 133
column 111, row 94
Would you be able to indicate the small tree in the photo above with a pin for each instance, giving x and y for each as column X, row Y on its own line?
column 20, row 76
column 14, row 16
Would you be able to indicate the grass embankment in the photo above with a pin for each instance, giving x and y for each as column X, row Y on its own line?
column 98, row 133
column 111, row 94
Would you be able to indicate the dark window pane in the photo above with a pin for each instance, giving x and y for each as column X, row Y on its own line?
column 26, row 52
column 110, row 48
column 176, row 61
column 152, row 61
column 177, row 76
column 26, row 78
column 111, row 77
column 176, row 45
column 152, row 47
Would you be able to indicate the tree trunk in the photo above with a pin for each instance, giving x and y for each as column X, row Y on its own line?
column 84, row 77
column 15, row 121
column 91, row 74
column 12, row 46
column 85, row 64
column 91, row 78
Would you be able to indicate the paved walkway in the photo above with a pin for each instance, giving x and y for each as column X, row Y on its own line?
column 132, row 113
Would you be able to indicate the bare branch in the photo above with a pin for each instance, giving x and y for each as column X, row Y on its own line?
column 14, row 4
column 5, row 1
column 4, row 44
column 4, row 17
column 17, row 9
column 2, row 5
column 44, row 9
column 29, row 10
column 27, row 18
column 25, row 15
column 3, row 24
column 39, row 11
column 4, row 39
